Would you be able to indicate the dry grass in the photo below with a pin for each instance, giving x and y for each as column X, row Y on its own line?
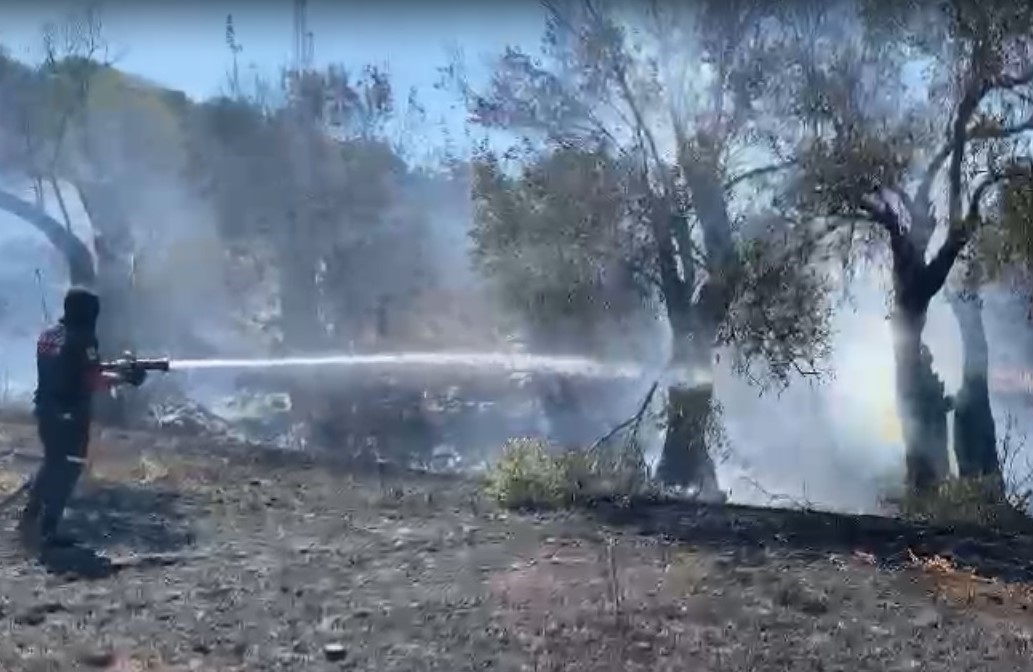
column 288, row 558
column 979, row 502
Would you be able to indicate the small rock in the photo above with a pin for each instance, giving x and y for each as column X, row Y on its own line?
column 815, row 604
column 100, row 658
column 803, row 599
column 31, row 617
column 927, row 618
column 37, row 614
column 335, row 652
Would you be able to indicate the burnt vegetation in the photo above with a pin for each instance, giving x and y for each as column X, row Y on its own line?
column 706, row 180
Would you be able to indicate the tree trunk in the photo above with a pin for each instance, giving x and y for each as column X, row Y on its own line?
column 975, row 440
column 299, row 293
column 686, row 460
column 921, row 404
column 81, row 270
column 119, row 327
column 113, row 241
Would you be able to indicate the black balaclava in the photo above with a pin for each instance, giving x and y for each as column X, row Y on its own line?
column 82, row 307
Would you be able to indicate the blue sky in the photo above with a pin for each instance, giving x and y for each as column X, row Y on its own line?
column 182, row 44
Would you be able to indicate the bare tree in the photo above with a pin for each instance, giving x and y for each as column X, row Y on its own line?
column 42, row 104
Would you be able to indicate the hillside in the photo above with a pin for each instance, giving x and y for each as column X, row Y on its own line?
column 221, row 557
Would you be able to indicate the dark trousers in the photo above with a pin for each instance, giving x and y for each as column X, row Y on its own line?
column 65, row 440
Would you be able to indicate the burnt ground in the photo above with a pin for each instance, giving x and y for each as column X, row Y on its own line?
column 214, row 557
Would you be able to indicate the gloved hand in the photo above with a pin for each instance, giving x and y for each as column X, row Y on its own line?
column 136, row 377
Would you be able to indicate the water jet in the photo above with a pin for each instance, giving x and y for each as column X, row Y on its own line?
column 503, row 362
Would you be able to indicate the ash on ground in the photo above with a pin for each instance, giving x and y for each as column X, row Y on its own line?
column 202, row 554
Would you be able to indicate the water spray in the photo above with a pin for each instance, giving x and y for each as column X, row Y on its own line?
column 575, row 367
column 513, row 363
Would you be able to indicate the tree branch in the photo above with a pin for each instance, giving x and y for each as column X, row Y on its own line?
column 935, row 274
column 629, row 99
column 953, row 149
column 987, row 132
column 80, row 260
column 960, row 232
column 882, row 214
column 56, row 188
column 922, row 221
column 758, row 172
column 959, row 138
column 1013, row 171
column 1009, row 81
column 634, row 421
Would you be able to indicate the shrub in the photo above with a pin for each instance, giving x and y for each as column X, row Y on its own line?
column 531, row 474
column 527, row 475
column 988, row 501
column 962, row 501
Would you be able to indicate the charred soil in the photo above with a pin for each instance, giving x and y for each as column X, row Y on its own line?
column 209, row 556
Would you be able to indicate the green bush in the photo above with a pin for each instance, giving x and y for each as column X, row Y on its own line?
column 531, row 474
column 526, row 475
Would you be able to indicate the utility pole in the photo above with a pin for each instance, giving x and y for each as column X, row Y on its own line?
column 304, row 42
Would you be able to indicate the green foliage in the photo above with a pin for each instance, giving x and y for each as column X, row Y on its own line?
column 554, row 239
column 779, row 322
column 842, row 171
column 667, row 97
column 987, row 30
column 312, row 188
column 530, row 474
column 1009, row 244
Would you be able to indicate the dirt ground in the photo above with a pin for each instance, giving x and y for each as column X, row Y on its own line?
column 214, row 557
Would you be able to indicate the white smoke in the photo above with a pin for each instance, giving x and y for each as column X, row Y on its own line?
column 33, row 280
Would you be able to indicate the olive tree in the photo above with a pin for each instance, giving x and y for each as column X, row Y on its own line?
column 676, row 93
column 889, row 163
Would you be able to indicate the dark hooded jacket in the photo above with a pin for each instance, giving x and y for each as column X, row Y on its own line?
column 67, row 362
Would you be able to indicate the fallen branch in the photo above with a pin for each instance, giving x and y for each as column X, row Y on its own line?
column 758, row 172
column 634, row 421
column 775, row 498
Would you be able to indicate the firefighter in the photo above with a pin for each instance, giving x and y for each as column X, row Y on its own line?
column 68, row 373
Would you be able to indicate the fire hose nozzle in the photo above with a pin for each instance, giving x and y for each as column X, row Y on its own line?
column 129, row 363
